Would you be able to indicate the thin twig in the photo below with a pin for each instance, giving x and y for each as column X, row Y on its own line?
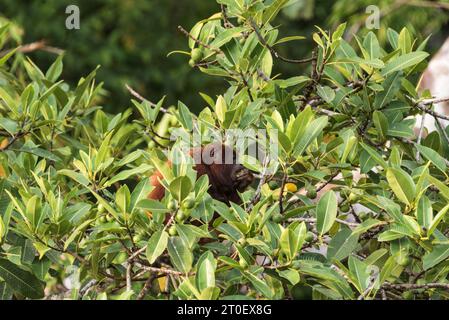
column 414, row 286
column 262, row 181
column 272, row 50
column 424, row 106
column 197, row 41
column 159, row 270
column 141, row 98
column 146, row 287
column 420, row 133
column 129, row 276
column 440, row 126
column 281, row 196
column 34, row 46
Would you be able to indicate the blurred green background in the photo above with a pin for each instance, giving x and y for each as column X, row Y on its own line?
column 130, row 39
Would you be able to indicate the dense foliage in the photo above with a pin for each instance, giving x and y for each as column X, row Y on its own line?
column 130, row 39
column 75, row 220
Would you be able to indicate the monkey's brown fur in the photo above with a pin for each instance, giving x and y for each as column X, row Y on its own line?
column 226, row 178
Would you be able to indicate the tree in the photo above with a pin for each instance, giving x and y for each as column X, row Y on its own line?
column 75, row 181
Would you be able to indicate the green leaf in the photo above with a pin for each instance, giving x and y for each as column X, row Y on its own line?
column 9, row 125
column 375, row 156
column 221, row 108
column 326, row 93
column 5, row 292
column 226, row 36
column 440, row 215
column 313, row 130
column 156, row 245
column 7, row 56
column 140, row 192
column 55, row 69
column 402, row 185
column 180, row 254
column 40, row 153
column 438, row 254
column 342, row 244
column 403, row 62
column 440, row 185
column 205, row 277
column 326, row 212
column 20, row 280
column 359, row 273
column 424, row 212
column 152, row 206
column 260, row 285
column 288, row 39
column 291, row 275
column 125, row 174
column 185, row 117
column 272, row 11
column 75, row 233
column 102, row 152
column 122, row 198
column 391, row 86
column 180, row 188
column 292, row 239
column 78, row 177
column 381, row 123
column 433, row 157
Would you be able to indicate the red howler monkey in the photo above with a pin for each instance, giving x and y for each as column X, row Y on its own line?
column 226, row 176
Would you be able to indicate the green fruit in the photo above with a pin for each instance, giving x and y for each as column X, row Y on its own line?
column 404, row 261
column 278, row 218
column 137, row 238
column 103, row 219
column 363, row 215
column 309, row 236
column 171, row 205
column 192, row 63
column 352, row 197
column 301, row 292
column 188, row 203
column 345, row 207
column 100, row 208
column 172, row 231
column 273, row 185
column 344, row 193
column 173, row 121
column 180, row 216
column 151, row 145
column 290, row 171
column 311, row 193
column 196, row 54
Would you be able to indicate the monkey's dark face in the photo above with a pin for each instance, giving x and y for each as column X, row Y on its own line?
column 226, row 174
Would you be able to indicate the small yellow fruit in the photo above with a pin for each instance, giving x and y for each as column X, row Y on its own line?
column 172, row 231
column 188, row 203
column 4, row 144
column 290, row 187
